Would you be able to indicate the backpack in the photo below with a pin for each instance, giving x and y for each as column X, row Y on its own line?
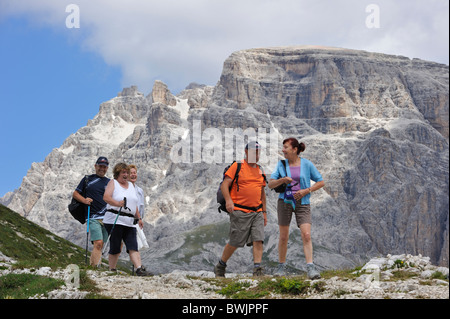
column 282, row 187
column 221, row 200
column 77, row 209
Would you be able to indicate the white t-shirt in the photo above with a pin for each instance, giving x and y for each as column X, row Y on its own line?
column 140, row 196
column 132, row 201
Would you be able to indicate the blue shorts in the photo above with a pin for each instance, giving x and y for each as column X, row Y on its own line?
column 97, row 230
column 119, row 233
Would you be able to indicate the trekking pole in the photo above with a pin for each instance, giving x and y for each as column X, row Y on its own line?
column 87, row 233
column 112, row 228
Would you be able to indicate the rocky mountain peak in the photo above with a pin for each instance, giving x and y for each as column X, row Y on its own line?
column 161, row 94
column 324, row 84
column 131, row 91
column 375, row 125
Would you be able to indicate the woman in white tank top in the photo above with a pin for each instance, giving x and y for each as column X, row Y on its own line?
column 126, row 212
column 121, row 191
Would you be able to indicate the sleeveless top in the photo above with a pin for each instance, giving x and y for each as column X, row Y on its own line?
column 132, row 201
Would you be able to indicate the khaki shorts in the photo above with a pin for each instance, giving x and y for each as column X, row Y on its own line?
column 285, row 211
column 246, row 228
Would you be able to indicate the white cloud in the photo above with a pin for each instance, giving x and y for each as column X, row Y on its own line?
column 180, row 41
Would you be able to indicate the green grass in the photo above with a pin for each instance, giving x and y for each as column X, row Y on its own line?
column 23, row 286
column 297, row 286
column 33, row 247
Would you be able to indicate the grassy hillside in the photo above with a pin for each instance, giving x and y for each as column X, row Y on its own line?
column 33, row 246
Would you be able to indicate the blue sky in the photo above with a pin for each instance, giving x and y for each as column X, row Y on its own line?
column 49, row 89
column 53, row 79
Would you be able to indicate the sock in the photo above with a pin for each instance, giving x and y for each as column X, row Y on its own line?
column 222, row 263
column 256, row 265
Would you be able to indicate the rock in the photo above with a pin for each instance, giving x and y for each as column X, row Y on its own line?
column 67, row 294
column 181, row 284
column 375, row 125
column 44, row 271
column 443, row 270
column 375, row 264
column 5, row 259
column 426, row 274
column 161, row 94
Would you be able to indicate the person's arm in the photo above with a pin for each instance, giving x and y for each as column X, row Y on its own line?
column 138, row 216
column 263, row 199
column 316, row 186
column 276, row 178
column 303, row 192
column 107, row 197
column 81, row 199
column 273, row 183
column 225, row 188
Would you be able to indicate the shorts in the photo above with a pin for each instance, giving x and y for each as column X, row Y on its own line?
column 285, row 210
column 246, row 228
column 97, row 230
column 119, row 233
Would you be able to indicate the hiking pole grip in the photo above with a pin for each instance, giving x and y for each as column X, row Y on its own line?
column 125, row 202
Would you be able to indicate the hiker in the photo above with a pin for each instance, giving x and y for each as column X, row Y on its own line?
column 246, row 205
column 122, row 211
column 142, row 241
column 95, row 188
column 139, row 191
column 298, row 173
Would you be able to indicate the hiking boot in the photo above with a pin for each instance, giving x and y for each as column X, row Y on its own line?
column 281, row 270
column 312, row 272
column 142, row 272
column 258, row 271
column 219, row 270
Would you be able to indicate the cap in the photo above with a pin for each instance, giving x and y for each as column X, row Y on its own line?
column 102, row 161
column 253, row 145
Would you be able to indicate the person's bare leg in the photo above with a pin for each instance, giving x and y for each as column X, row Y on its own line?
column 257, row 251
column 307, row 242
column 135, row 258
column 113, row 259
column 96, row 253
column 283, row 243
column 227, row 252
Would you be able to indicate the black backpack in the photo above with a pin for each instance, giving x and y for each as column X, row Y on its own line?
column 221, row 200
column 282, row 187
column 77, row 209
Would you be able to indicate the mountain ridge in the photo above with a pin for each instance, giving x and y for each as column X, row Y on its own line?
column 375, row 125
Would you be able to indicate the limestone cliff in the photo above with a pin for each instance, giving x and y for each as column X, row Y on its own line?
column 375, row 125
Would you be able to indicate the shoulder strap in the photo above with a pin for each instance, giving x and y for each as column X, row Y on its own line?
column 263, row 173
column 86, row 180
column 236, row 176
column 284, row 165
